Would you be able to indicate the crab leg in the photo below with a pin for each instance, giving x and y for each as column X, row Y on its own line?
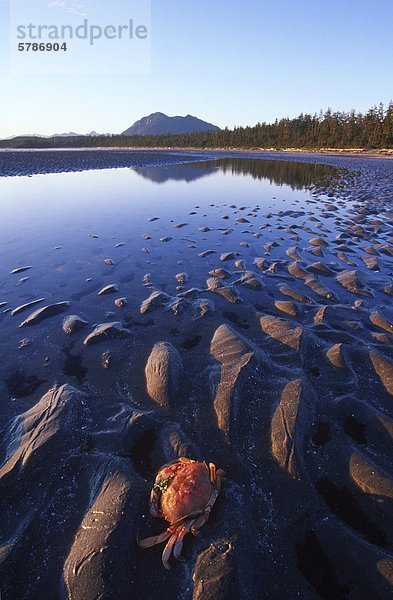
column 157, row 539
column 182, row 532
column 168, row 549
column 200, row 521
column 212, row 473
column 215, row 476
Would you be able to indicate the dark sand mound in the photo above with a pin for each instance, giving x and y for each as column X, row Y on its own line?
column 288, row 428
column 90, row 569
column 154, row 301
column 45, row 312
column 228, row 292
column 73, row 324
column 104, row 332
column 234, row 353
column 163, row 373
column 350, row 280
column 282, row 330
column 34, row 434
column 384, row 369
column 335, row 356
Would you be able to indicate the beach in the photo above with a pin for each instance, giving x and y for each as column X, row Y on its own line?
column 232, row 307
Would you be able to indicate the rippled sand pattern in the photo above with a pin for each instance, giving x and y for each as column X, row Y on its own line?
column 247, row 322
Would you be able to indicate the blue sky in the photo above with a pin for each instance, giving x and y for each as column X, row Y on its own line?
column 228, row 62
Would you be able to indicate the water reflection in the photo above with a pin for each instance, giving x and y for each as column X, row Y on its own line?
column 182, row 172
column 174, row 165
column 297, row 175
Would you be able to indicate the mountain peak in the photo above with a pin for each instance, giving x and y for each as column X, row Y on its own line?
column 160, row 124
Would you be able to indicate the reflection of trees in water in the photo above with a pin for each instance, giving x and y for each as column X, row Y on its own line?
column 296, row 174
column 181, row 172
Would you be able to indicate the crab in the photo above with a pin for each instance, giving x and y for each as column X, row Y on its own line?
column 183, row 494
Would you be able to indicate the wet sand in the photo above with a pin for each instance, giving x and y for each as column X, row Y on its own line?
column 235, row 311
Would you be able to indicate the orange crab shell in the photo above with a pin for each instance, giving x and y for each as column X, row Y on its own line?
column 188, row 493
column 183, row 494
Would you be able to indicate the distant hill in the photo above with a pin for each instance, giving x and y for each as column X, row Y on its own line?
column 57, row 135
column 69, row 134
column 160, row 124
column 73, row 134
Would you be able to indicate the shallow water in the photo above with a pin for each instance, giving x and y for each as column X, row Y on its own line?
column 302, row 427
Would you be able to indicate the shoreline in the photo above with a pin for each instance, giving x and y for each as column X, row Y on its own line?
column 354, row 153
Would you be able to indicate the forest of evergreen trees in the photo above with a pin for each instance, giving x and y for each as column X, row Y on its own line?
column 372, row 130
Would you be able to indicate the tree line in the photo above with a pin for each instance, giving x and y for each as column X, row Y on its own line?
column 372, row 130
